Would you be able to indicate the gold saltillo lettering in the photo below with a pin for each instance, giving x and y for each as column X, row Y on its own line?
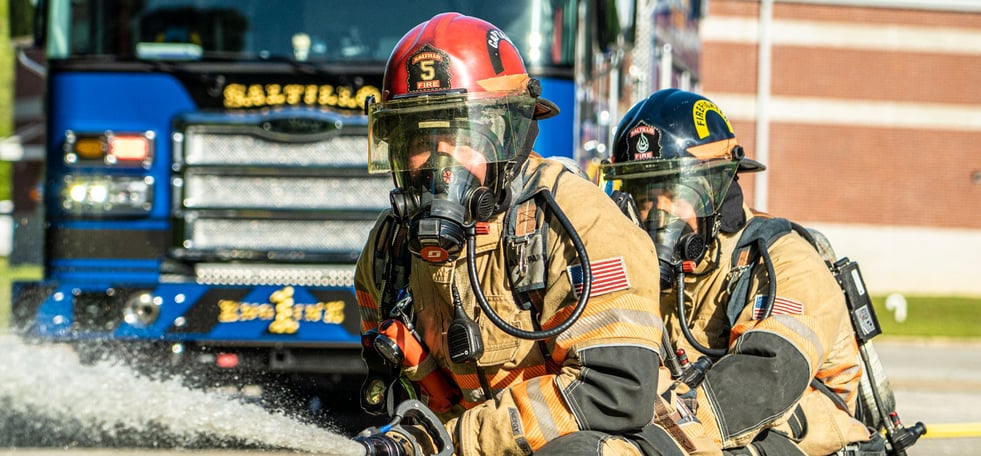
column 235, row 96
column 256, row 95
column 294, row 93
column 327, row 96
column 260, row 95
column 344, row 98
column 310, row 94
column 274, row 95
column 427, row 56
column 363, row 93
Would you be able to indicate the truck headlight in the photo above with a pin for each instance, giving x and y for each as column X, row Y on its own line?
column 108, row 195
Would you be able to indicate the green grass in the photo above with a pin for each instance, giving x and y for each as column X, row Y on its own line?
column 932, row 316
column 6, row 91
column 5, row 178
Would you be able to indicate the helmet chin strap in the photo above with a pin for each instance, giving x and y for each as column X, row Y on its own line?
column 504, row 198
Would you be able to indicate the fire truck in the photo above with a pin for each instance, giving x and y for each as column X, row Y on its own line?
column 205, row 186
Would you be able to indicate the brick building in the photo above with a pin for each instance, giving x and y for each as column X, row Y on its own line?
column 868, row 116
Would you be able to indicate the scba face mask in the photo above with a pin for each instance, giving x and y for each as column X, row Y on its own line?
column 439, row 199
column 678, row 203
column 675, row 216
column 451, row 157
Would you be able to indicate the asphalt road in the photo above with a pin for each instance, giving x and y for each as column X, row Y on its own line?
column 938, row 383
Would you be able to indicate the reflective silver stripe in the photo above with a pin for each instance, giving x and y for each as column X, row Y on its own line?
column 850, row 372
column 609, row 317
column 541, row 410
column 799, row 328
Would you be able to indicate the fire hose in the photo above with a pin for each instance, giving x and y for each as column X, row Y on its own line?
column 396, row 439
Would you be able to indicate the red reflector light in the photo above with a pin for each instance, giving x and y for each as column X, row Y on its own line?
column 226, row 360
column 129, row 148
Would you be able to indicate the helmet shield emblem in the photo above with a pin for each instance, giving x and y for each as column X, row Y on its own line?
column 428, row 70
column 645, row 142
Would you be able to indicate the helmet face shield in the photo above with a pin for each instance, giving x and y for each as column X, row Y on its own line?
column 448, row 146
column 675, row 198
column 684, row 189
column 497, row 124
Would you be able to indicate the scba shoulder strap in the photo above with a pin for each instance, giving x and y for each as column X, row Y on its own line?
column 752, row 247
column 392, row 263
column 526, row 233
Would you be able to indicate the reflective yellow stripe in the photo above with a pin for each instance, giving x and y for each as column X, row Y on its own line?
column 368, row 310
column 470, row 386
column 842, row 379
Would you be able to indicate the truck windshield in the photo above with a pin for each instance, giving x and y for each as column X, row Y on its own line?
column 316, row 31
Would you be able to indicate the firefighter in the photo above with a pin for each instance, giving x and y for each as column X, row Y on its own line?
column 781, row 367
column 473, row 283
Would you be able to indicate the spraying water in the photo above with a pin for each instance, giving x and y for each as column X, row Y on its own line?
column 45, row 387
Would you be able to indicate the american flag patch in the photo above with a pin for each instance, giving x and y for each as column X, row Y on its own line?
column 609, row 275
column 781, row 306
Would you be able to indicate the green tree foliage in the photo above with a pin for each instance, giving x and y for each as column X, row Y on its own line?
column 6, row 93
column 21, row 18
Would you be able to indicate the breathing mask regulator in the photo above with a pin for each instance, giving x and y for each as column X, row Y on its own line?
column 678, row 246
column 443, row 198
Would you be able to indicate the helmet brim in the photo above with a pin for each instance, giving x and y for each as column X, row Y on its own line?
column 747, row 165
column 545, row 109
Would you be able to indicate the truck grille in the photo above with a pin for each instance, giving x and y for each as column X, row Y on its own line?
column 242, row 193
column 219, row 145
column 204, row 190
column 304, row 275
